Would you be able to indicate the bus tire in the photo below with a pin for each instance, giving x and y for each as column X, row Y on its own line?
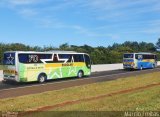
column 141, row 68
column 153, row 66
column 4, row 81
column 80, row 74
column 42, row 78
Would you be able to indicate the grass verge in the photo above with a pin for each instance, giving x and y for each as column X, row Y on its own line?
column 2, row 67
column 139, row 100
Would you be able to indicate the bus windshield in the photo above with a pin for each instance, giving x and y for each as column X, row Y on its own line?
column 128, row 56
column 87, row 61
column 9, row 59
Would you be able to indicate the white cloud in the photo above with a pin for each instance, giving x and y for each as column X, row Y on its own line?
column 99, row 10
column 84, row 31
column 121, row 10
column 28, row 12
column 49, row 22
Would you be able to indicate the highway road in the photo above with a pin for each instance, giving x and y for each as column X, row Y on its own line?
column 11, row 89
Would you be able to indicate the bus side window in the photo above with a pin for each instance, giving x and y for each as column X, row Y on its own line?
column 155, row 57
column 70, row 56
column 66, row 56
column 78, row 58
column 55, row 59
column 152, row 56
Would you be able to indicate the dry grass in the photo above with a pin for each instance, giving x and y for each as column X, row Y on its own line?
column 148, row 99
column 2, row 67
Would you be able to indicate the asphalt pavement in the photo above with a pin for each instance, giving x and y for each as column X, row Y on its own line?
column 11, row 89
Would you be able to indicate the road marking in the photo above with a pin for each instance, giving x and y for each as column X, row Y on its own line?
column 74, row 80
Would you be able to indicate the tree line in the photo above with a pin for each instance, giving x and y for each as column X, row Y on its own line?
column 99, row 55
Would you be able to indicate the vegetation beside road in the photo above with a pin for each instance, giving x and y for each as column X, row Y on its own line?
column 2, row 67
column 99, row 55
column 137, row 100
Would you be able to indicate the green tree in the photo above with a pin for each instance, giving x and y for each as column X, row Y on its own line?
column 99, row 55
column 158, row 44
column 64, row 46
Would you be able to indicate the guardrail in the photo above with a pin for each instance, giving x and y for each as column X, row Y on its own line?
column 1, row 75
column 106, row 67
column 109, row 67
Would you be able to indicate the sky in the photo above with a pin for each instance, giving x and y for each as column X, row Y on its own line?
column 79, row 22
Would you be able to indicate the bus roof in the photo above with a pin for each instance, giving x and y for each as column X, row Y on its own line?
column 49, row 52
column 141, row 53
column 59, row 51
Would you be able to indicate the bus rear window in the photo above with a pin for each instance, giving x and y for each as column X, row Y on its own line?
column 9, row 59
column 128, row 56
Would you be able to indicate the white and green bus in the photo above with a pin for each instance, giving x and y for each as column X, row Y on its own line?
column 25, row 66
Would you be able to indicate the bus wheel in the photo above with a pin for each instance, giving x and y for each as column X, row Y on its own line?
column 80, row 74
column 153, row 66
column 4, row 81
column 42, row 78
column 141, row 68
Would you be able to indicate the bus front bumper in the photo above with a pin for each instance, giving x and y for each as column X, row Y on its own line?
column 128, row 66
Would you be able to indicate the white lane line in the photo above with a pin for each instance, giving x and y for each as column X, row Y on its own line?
column 74, row 80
